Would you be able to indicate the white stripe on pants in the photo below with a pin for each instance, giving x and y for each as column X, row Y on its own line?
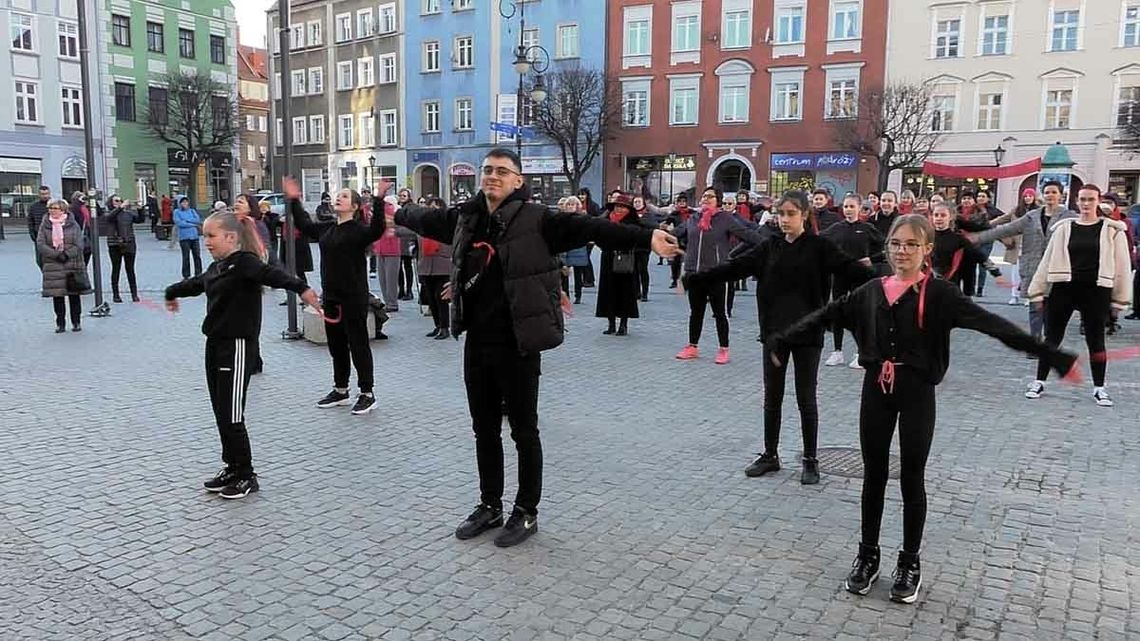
column 236, row 414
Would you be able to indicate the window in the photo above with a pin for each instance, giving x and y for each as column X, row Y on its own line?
column 461, row 5
column 846, row 23
column 1058, row 108
column 297, row 82
column 367, row 130
column 124, row 102
column 297, row 36
column 250, row 124
column 343, row 27
column 68, row 40
column 464, row 118
column 1131, row 27
column 790, row 25
column 158, row 105
column 315, row 35
column 218, row 50
column 1066, row 26
column 430, row 6
column 995, row 35
column 737, row 29
column 262, row 121
column 279, row 132
column 637, row 38
column 683, row 101
column 277, row 85
column 841, row 98
column 155, row 37
column 942, row 108
column 186, row 43
column 567, row 41
column 250, row 153
column 316, row 80
column 387, row 68
column 531, row 42
column 431, row 117
column 526, row 113
column 22, row 32
column 344, row 75
column 635, row 105
column 344, row 131
column 947, row 37
column 365, row 72
column 1128, row 107
column 686, row 31
column 431, row 56
column 300, row 130
column 464, row 52
column 120, row 30
column 364, row 25
column 734, row 100
column 72, row 106
column 786, row 100
column 387, row 18
column 989, row 110
column 27, row 102
column 220, row 111
column 388, row 129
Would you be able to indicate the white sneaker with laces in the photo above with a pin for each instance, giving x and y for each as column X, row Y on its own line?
column 1014, row 300
column 854, row 364
column 836, row 358
column 1102, row 397
column 1035, row 390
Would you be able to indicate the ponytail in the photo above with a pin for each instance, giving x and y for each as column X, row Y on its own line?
column 245, row 228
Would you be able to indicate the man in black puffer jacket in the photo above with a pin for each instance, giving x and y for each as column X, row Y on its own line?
column 505, row 292
column 36, row 213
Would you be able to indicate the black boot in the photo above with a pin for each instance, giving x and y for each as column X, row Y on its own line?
column 611, row 329
column 623, row 329
column 763, row 465
column 432, row 334
column 115, row 298
column 864, row 571
column 908, row 579
column 444, row 334
column 810, row 474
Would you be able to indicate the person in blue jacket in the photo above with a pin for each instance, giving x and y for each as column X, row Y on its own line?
column 189, row 225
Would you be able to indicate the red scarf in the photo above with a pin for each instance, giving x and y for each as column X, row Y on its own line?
column 615, row 216
column 905, row 208
column 684, row 213
column 744, row 211
column 707, row 213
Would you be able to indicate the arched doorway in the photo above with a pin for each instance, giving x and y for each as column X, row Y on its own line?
column 427, row 180
column 731, row 176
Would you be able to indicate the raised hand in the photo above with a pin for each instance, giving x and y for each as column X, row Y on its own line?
column 382, row 188
column 291, row 188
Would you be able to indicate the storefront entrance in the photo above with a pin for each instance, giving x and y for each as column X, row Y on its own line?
column 731, row 176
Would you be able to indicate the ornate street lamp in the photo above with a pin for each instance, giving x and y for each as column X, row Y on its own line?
column 528, row 58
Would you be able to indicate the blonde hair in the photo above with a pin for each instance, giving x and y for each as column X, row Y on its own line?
column 248, row 238
column 571, row 200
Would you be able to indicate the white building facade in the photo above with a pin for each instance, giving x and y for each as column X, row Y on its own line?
column 1022, row 75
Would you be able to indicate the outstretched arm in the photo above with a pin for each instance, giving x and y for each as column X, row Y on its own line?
column 1007, row 230
column 436, row 224
column 967, row 314
column 745, row 232
column 563, row 232
column 302, row 221
column 186, row 288
column 842, row 310
column 739, row 267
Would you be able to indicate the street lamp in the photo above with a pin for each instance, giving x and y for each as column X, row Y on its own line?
column 528, row 58
column 672, row 166
column 371, row 171
column 999, row 153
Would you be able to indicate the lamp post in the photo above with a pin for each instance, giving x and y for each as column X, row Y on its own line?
column 102, row 309
column 371, row 172
column 265, row 170
column 292, row 331
column 528, row 58
column 999, row 153
column 672, row 166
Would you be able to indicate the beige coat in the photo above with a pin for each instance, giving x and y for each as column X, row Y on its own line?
column 1114, row 271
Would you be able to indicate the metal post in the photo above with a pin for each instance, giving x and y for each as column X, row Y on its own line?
column 101, row 307
column 292, row 332
column 519, row 95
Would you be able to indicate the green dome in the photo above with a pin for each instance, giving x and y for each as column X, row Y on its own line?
column 1057, row 156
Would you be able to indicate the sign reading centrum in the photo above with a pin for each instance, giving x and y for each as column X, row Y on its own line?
column 811, row 162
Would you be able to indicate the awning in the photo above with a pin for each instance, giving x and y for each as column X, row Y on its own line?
column 989, row 173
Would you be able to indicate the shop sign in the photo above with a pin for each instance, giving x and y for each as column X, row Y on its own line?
column 542, row 166
column 462, row 169
column 425, row 156
column 814, row 162
column 21, row 166
column 679, row 163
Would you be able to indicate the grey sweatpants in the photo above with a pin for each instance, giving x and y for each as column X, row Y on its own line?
column 389, row 275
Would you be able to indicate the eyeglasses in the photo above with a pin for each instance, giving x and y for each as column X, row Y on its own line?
column 501, row 172
column 906, row 248
column 55, row 207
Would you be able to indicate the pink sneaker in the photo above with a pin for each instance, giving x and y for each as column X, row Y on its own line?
column 721, row 356
column 689, row 353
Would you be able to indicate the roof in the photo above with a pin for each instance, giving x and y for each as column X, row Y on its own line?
column 251, row 64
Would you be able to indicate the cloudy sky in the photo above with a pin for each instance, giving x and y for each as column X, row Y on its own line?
column 251, row 20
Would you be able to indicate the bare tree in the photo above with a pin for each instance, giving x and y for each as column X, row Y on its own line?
column 193, row 113
column 894, row 126
column 580, row 114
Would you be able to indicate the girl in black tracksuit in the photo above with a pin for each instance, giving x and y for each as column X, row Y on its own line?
column 859, row 239
column 793, row 274
column 232, row 285
column 344, row 244
column 902, row 325
column 953, row 253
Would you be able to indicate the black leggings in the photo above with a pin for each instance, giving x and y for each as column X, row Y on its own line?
column 118, row 258
column 839, row 288
column 431, row 289
column 675, row 268
column 1136, row 293
column 912, row 406
column 713, row 296
column 730, row 297
column 407, row 276
column 1093, row 303
column 642, row 264
column 229, row 364
column 348, row 344
column 807, row 370
column 60, row 311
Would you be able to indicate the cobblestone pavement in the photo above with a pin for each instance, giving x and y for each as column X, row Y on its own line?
column 650, row 530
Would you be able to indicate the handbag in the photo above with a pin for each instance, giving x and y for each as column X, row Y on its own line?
column 623, row 262
column 77, row 283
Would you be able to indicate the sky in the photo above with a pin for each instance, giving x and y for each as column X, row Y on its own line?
column 251, row 20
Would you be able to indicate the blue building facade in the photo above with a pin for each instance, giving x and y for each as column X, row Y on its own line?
column 459, row 78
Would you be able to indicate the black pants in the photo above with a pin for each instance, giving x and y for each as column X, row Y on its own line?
column 497, row 375
column 348, row 344
column 642, row 266
column 675, row 269
column 912, row 406
column 969, row 275
column 229, row 362
column 1136, row 293
column 1093, row 303
column 407, row 276
column 118, row 258
column 76, row 305
column 431, row 288
column 839, row 287
column 806, row 360
column 190, row 248
column 581, row 277
column 590, row 265
column 712, row 296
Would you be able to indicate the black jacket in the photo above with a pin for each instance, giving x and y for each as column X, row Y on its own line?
column 233, row 293
column 827, row 217
column 883, row 222
column 526, row 240
column 951, row 247
column 344, row 259
column 858, row 239
column 117, row 225
column 891, row 332
column 36, row 213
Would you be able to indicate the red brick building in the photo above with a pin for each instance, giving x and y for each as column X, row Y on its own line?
column 253, row 119
column 740, row 93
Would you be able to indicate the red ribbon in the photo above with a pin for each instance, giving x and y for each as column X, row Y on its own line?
column 887, row 377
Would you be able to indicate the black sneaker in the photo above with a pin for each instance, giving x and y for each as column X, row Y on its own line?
column 365, row 403
column 864, row 570
column 763, row 465
column 333, row 399
column 241, row 488
column 520, row 527
column 908, row 579
column 810, row 475
column 432, row 334
column 482, row 519
column 222, row 480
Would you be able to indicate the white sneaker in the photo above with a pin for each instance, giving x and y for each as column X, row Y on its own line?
column 1014, row 300
column 1035, row 390
column 1102, row 397
column 854, row 364
column 836, row 358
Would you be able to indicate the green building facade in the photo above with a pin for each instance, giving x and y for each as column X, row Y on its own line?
column 139, row 42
